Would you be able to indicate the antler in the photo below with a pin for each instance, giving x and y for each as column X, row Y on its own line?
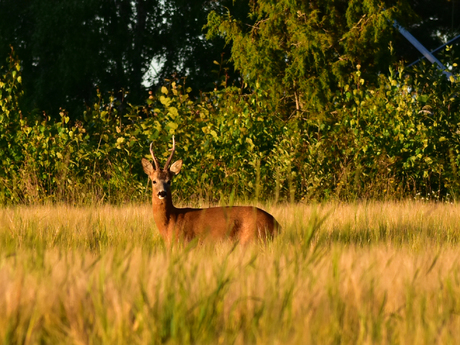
column 170, row 157
column 154, row 158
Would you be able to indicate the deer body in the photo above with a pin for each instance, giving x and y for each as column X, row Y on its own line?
column 240, row 223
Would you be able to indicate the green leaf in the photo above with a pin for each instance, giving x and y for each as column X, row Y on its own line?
column 173, row 111
column 172, row 125
column 165, row 100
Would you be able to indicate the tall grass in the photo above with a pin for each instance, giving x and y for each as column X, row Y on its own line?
column 375, row 273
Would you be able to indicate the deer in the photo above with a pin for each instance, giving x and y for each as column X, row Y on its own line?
column 243, row 224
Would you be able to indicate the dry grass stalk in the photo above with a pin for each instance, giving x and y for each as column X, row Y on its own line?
column 372, row 273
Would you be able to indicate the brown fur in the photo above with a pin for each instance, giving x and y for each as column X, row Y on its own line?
column 240, row 223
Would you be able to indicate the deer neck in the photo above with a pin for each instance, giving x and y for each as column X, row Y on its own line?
column 163, row 210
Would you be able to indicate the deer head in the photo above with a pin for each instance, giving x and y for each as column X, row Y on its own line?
column 161, row 178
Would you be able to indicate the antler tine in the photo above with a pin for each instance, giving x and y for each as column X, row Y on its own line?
column 154, row 158
column 172, row 153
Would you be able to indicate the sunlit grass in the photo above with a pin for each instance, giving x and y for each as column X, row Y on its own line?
column 374, row 273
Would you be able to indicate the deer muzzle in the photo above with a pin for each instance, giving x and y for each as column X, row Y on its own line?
column 162, row 194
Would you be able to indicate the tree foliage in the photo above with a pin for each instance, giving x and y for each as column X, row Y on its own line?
column 310, row 110
column 301, row 51
column 187, row 54
column 71, row 48
column 397, row 138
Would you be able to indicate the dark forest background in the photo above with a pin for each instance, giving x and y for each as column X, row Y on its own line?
column 285, row 100
column 69, row 49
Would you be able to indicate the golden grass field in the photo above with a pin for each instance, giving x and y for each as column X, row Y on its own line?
column 365, row 273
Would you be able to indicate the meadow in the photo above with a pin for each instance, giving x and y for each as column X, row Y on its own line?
column 339, row 273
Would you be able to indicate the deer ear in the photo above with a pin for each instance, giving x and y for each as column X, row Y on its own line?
column 148, row 167
column 175, row 168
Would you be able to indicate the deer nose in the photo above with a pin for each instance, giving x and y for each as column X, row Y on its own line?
column 162, row 194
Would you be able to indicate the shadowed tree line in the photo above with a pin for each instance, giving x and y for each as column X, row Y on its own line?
column 297, row 50
column 71, row 48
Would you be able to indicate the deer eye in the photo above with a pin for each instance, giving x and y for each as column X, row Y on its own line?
column 154, row 181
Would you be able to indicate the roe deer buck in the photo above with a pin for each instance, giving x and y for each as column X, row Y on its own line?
column 240, row 223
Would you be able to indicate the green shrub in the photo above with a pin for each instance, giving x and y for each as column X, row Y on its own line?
column 394, row 139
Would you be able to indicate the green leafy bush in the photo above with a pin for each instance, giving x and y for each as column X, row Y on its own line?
column 395, row 138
